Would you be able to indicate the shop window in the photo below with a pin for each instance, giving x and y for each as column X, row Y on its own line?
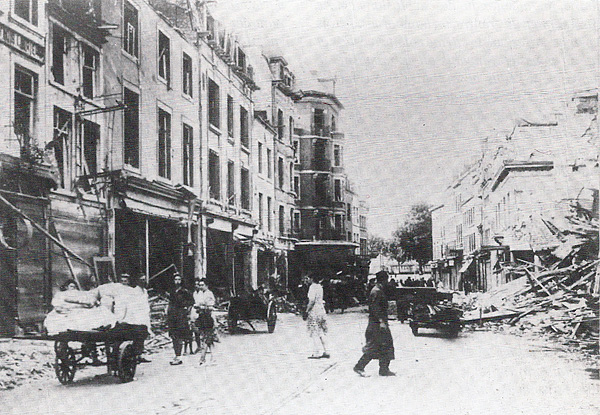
column 164, row 144
column 214, row 175
column 188, row 155
column 131, row 128
column 187, row 75
column 245, row 179
column 164, row 57
column 213, row 103
column 130, row 29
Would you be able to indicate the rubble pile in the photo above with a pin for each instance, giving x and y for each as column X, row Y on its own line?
column 560, row 297
column 22, row 361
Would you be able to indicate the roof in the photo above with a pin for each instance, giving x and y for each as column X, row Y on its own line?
column 319, row 94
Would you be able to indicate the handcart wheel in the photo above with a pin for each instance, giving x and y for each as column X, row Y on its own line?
column 414, row 328
column 271, row 316
column 127, row 362
column 65, row 364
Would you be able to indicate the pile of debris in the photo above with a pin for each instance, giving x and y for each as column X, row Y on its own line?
column 22, row 361
column 559, row 297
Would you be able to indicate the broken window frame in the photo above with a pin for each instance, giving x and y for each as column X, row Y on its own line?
column 61, row 143
column 188, row 154
column 130, row 29
column 25, row 101
column 164, row 144
column 89, row 70
column 164, row 58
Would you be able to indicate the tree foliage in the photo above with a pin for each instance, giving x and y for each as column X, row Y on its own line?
column 412, row 240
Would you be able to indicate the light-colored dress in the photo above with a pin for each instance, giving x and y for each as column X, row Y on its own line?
column 316, row 322
column 75, row 310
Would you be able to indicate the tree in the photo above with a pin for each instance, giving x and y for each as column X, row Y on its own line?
column 377, row 245
column 412, row 241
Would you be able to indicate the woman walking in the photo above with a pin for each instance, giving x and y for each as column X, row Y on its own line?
column 316, row 322
column 180, row 301
column 204, row 326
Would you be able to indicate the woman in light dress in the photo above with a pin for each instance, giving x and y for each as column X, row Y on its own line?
column 316, row 322
column 76, row 310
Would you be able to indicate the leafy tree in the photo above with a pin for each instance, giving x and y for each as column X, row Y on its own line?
column 412, row 241
column 377, row 245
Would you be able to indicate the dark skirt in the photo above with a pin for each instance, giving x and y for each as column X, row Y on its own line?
column 204, row 328
column 179, row 325
column 380, row 344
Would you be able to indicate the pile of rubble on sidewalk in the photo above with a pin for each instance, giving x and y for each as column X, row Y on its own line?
column 22, row 361
column 559, row 297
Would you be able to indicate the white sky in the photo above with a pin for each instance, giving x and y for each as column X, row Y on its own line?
column 424, row 81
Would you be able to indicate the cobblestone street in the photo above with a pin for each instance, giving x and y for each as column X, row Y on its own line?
column 260, row 373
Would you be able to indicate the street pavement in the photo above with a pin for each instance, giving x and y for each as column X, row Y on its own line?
column 259, row 373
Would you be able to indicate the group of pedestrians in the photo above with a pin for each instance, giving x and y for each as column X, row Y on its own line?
column 185, row 306
column 379, row 342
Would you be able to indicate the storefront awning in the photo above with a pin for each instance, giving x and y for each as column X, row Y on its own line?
column 465, row 266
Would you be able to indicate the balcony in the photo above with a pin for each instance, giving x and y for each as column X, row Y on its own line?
column 321, row 130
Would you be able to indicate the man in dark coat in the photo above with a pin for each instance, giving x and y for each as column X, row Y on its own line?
column 180, row 302
column 380, row 345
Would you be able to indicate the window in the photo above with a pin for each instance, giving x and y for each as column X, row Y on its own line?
column 281, row 220
column 213, row 103
column 291, row 129
column 214, row 175
column 459, row 236
column 338, row 223
column 164, row 57
column 337, row 155
column 27, row 10
column 290, row 176
column 24, row 109
column 90, row 138
column 244, row 130
column 269, row 213
column 188, row 155
column 245, row 188
column 269, row 164
column 63, row 127
column 260, row 211
column 230, row 183
column 297, row 221
column 130, row 29
column 319, row 122
column 321, row 182
column 241, row 59
column 296, row 151
column 230, row 116
column 291, row 220
column 90, row 64
column 131, row 128
column 333, row 126
column 280, row 172
column 297, row 186
column 260, row 157
column 280, row 125
column 58, row 54
column 338, row 190
column 187, row 75
column 164, row 144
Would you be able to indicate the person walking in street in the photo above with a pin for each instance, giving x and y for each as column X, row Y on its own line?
column 379, row 343
column 180, row 301
column 204, row 325
column 316, row 322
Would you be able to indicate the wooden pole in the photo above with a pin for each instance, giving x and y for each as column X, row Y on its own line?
column 67, row 258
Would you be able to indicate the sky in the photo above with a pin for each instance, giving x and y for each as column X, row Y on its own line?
column 424, row 82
